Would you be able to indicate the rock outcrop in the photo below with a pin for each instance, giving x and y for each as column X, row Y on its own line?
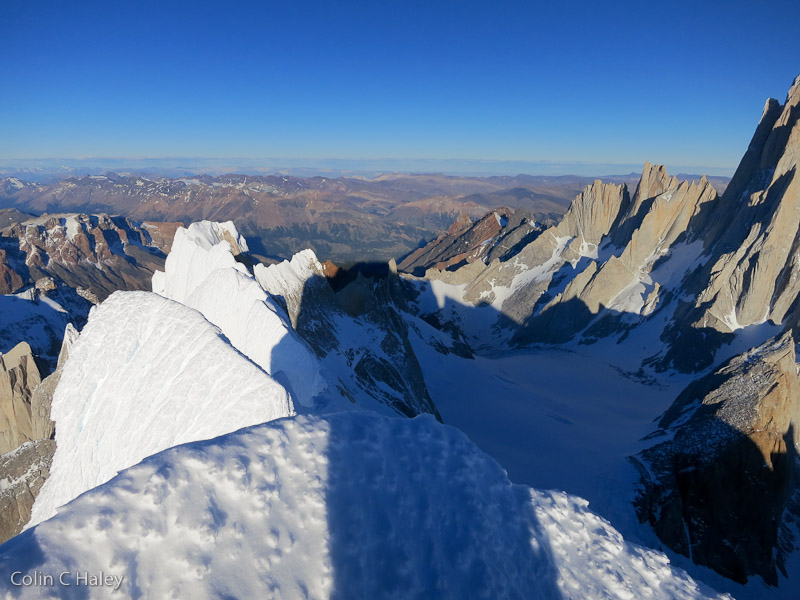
column 357, row 332
column 25, row 468
column 96, row 253
column 22, row 473
column 19, row 375
column 718, row 488
column 495, row 236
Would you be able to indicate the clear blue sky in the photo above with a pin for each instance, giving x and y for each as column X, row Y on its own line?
column 681, row 83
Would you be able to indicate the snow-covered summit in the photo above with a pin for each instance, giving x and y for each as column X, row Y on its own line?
column 146, row 374
column 349, row 505
column 196, row 252
column 202, row 272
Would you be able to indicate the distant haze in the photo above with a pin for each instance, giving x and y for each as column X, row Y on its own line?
column 56, row 168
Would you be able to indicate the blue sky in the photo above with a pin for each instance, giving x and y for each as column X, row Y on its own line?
column 681, row 83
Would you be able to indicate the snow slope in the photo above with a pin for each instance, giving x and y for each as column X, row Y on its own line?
column 568, row 418
column 146, row 374
column 352, row 505
column 202, row 272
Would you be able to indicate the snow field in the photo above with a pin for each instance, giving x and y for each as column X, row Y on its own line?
column 349, row 505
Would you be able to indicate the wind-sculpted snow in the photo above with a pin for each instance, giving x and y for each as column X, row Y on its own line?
column 353, row 505
column 196, row 252
column 146, row 374
column 202, row 272
column 288, row 278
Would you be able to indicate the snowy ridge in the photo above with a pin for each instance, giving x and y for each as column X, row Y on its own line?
column 288, row 277
column 255, row 326
column 146, row 374
column 201, row 271
column 196, row 252
column 334, row 506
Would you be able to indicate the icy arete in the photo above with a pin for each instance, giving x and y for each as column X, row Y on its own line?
column 336, row 507
column 206, row 269
column 166, row 377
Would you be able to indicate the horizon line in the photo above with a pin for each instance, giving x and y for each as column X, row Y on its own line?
column 373, row 165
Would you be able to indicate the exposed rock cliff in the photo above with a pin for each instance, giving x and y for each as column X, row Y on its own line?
column 19, row 375
column 22, row 473
column 95, row 253
column 755, row 274
column 358, row 332
column 717, row 489
column 25, row 468
column 497, row 235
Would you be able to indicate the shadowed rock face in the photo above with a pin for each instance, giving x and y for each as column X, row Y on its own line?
column 718, row 489
column 379, row 356
column 23, row 472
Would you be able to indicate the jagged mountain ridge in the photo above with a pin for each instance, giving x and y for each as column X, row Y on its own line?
column 608, row 238
column 98, row 254
column 706, row 265
column 177, row 378
column 675, row 277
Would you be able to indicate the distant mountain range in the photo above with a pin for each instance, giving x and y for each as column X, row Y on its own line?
column 342, row 219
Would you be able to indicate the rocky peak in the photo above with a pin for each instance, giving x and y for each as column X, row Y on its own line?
column 654, row 182
column 594, row 211
column 466, row 242
column 755, row 272
column 461, row 224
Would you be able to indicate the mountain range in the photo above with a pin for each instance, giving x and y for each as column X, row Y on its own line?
column 344, row 219
column 290, row 428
